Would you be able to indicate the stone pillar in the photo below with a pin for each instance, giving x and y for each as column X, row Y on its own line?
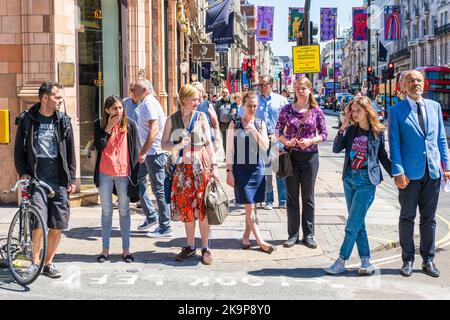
column 138, row 31
column 172, row 63
column 158, row 46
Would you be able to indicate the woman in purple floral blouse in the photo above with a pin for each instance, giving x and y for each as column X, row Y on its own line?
column 301, row 127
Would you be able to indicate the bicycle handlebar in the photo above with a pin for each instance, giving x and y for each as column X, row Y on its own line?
column 51, row 192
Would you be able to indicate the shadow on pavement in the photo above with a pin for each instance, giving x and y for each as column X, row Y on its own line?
column 7, row 282
column 309, row 273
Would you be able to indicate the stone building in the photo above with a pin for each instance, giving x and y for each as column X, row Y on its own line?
column 96, row 48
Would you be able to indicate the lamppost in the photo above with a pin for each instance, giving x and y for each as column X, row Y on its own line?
column 334, row 59
column 184, row 67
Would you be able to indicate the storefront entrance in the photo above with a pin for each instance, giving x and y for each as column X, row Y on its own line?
column 100, row 64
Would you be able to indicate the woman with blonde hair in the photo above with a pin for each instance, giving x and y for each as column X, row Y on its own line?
column 196, row 166
column 116, row 141
column 363, row 141
column 300, row 128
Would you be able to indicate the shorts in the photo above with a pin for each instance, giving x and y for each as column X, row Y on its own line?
column 56, row 210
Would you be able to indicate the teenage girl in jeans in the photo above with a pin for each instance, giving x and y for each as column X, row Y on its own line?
column 363, row 142
column 117, row 165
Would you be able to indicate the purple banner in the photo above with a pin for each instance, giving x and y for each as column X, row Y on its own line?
column 359, row 24
column 264, row 26
column 327, row 23
column 392, row 23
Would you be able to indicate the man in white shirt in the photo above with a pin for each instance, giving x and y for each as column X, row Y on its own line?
column 150, row 122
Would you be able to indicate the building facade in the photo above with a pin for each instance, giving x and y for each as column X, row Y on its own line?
column 95, row 48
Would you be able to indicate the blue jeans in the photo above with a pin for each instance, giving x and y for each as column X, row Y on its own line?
column 281, row 187
column 106, row 184
column 146, row 202
column 156, row 170
column 359, row 195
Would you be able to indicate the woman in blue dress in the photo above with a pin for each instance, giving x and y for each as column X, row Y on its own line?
column 247, row 141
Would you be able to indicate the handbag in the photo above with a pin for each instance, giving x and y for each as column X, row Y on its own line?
column 216, row 203
column 171, row 166
column 284, row 165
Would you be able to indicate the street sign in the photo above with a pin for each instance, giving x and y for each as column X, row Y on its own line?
column 306, row 59
column 204, row 52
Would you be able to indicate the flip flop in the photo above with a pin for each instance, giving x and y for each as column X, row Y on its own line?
column 102, row 258
column 128, row 258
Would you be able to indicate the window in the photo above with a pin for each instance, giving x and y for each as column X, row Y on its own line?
column 441, row 55
column 423, row 59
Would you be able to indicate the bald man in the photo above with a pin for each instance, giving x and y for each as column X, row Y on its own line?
column 419, row 155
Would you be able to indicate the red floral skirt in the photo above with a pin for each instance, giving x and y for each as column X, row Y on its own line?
column 188, row 192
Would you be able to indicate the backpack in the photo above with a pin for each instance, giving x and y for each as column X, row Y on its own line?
column 216, row 203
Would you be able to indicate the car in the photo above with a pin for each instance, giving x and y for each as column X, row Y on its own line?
column 342, row 106
column 380, row 112
column 381, row 101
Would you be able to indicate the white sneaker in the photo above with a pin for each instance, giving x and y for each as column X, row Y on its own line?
column 337, row 267
column 366, row 267
column 146, row 224
column 268, row 206
column 159, row 233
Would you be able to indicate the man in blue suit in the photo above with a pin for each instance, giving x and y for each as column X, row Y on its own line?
column 419, row 155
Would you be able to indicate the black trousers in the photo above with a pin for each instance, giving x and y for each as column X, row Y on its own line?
column 305, row 166
column 425, row 194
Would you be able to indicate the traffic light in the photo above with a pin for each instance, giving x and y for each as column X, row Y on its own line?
column 369, row 70
column 249, row 70
column 391, row 74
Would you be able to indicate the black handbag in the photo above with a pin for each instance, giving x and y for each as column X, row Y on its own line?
column 171, row 166
column 284, row 165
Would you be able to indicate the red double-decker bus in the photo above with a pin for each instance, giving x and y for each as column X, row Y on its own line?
column 436, row 86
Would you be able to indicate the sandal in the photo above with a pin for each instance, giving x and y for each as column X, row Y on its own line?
column 102, row 258
column 128, row 258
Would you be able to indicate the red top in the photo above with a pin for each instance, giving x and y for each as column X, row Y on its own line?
column 115, row 161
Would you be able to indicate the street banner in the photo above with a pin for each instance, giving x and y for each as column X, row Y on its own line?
column 295, row 23
column 222, row 47
column 392, row 23
column 217, row 16
column 206, row 70
column 306, row 59
column 382, row 52
column 226, row 34
column 264, row 26
column 205, row 52
column 327, row 23
column 359, row 24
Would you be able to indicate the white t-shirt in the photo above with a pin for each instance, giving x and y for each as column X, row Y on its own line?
column 150, row 109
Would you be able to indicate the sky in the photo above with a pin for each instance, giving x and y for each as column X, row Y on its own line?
column 280, row 45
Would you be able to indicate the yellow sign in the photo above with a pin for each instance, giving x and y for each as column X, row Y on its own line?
column 306, row 59
column 4, row 126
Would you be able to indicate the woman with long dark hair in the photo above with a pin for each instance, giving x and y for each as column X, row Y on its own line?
column 116, row 168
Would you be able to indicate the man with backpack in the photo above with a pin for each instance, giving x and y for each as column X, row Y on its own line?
column 45, row 150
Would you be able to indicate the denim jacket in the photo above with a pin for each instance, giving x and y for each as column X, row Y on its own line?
column 376, row 153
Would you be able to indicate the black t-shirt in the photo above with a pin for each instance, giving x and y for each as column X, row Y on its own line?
column 47, row 153
column 358, row 154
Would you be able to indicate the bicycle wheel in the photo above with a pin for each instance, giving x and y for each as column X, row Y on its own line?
column 26, row 223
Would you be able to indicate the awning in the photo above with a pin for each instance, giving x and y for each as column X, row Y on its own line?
column 217, row 16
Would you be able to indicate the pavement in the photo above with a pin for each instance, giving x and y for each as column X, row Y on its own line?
column 82, row 241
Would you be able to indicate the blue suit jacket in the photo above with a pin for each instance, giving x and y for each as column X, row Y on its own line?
column 410, row 148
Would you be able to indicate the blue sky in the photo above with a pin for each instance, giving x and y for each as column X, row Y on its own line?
column 280, row 45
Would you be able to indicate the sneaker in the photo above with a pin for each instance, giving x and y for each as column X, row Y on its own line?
column 337, row 267
column 31, row 271
column 115, row 205
column 366, row 267
column 139, row 205
column 206, row 257
column 146, row 224
column 282, row 206
column 185, row 253
column 51, row 271
column 268, row 206
column 159, row 233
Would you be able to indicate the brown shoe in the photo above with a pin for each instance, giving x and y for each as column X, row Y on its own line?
column 185, row 253
column 206, row 257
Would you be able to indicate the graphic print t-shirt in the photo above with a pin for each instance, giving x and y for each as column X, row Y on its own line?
column 358, row 154
column 46, row 146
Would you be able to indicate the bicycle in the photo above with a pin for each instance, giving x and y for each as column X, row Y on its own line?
column 26, row 259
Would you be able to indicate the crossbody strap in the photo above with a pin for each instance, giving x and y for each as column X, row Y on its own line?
column 189, row 130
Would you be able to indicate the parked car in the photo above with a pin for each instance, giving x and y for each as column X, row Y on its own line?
column 380, row 112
